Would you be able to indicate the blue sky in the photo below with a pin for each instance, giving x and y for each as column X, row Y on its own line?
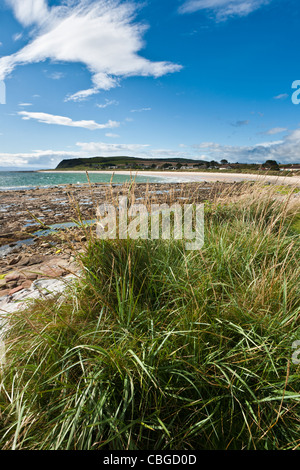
column 205, row 79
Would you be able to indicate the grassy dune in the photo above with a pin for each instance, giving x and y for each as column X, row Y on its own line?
column 160, row 348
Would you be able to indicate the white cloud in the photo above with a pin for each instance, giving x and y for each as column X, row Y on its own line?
column 113, row 136
column 50, row 158
column 25, row 104
column 29, row 12
column 286, row 150
column 36, row 158
column 105, row 149
column 223, row 9
column 65, row 121
column 101, row 34
column 276, row 130
column 107, row 103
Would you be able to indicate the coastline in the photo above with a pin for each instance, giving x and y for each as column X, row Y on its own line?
column 39, row 237
column 186, row 176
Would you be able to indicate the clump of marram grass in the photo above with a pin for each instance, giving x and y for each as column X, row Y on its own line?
column 159, row 348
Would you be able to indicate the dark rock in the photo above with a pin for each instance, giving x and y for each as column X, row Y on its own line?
column 15, row 290
column 36, row 259
column 24, row 261
column 6, row 235
column 14, row 261
column 12, row 284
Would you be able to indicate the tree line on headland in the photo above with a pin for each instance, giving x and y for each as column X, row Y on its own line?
column 136, row 163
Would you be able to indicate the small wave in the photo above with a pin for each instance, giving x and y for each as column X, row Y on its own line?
column 16, row 188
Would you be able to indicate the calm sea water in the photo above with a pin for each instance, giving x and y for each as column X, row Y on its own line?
column 13, row 180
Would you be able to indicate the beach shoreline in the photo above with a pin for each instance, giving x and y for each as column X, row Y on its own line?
column 39, row 233
column 188, row 176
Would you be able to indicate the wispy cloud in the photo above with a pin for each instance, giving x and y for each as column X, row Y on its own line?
column 17, row 37
column 276, row 130
column 141, row 110
column 223, row 9
column 55, row 75
column 110, row 149
column 103, row 35
column 107, row 103
column 25, row 104
column 65, row 121
column 283, row 96
column 240, row 123
column 112, row 136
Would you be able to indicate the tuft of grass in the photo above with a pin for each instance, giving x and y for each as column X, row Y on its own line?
column 163, row 349
column 296, row 224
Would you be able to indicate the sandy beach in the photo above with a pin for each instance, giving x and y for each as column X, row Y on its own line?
column 188, row 176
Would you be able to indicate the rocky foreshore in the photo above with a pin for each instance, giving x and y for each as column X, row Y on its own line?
column 39, row 235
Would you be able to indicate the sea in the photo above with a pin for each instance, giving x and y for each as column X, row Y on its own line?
column 20, row 180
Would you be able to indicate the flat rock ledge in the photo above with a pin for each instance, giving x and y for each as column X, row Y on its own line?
column 42, row 288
